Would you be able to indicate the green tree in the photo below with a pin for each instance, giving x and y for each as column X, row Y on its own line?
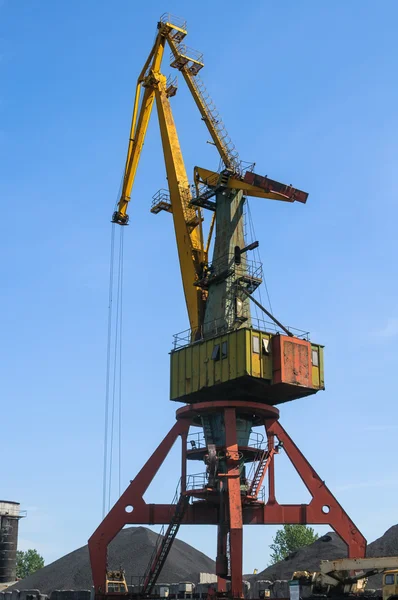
column 290, row 538
column 28, row 562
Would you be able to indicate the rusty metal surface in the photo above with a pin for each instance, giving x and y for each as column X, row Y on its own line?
column 269, row 185
column 131, row 507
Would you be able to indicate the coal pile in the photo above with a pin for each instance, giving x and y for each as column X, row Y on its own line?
column 386, row 545
column 328, row 547
column 132, row 550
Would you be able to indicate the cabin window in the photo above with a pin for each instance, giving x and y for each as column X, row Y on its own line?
column 256, row 344
column 266, row 349
column 216, row 352
column 315, row 358
column 238, row 308
column 389, row 580
column 224, row 350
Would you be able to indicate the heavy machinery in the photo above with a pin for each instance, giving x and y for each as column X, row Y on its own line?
column 116, row 582
column 346, row 577
column 229, row 369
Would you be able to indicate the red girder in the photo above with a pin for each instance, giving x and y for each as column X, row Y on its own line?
column 239, row 514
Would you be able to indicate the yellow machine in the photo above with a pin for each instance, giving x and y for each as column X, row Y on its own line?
column 390, row 584
column 116, row 582
column 347, row 577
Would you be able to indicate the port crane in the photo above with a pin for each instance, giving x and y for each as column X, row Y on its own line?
column 230, row 371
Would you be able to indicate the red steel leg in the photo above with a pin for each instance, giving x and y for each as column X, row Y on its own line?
column 131, row 507
column 235, row 503
column 323, row 508
column 271, row 470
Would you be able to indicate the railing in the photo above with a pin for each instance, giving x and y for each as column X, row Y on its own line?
column 226, row 265
column 14, row 513
column 256, row 440
column 173, row 20
column 159, row 541
column 190, row 53
column 217, row 123
column 197, row 441
column 218, row 327
column 161, row 195
column 261, row 494
column 246, row 167
column 197, row 481
column 171, row 85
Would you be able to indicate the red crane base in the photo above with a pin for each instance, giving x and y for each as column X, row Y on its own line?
column 132, row 509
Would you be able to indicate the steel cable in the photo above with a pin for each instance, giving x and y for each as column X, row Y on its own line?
column 257, row 251
column 108, row 368
column 120, row 357
column 115, row 368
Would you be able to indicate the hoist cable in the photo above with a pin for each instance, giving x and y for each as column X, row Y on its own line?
column 108, row 368
column 107, row 474
column 252, row 239
column 251, row 224
column 120, row 358
column 115, row 370
column 248, row 239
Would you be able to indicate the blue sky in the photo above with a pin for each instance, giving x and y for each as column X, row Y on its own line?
column 307, row 90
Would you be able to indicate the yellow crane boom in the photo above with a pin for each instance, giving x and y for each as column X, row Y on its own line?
column 152, row 86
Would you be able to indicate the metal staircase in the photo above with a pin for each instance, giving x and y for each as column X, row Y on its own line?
column 163, row 548
column 264, row 460
column 190, row 62
column 210, row 189
column 258, row 475
column 212, row 114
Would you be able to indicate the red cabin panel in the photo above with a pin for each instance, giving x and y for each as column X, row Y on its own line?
column 291, row 361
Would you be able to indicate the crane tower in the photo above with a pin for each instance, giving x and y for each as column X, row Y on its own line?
column 230, row 371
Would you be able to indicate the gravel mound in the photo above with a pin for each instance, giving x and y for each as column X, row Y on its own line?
column 131, row 549
column 386, row 545
column 328, row 547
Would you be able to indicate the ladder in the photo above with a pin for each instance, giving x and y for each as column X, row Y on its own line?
column 212, row 115
column 162, row 550
column 258, row 478
column 190, row 67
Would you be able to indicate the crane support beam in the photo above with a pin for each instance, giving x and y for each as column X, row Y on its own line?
column 270, row 189
column 138, row 130
column 187, row 220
